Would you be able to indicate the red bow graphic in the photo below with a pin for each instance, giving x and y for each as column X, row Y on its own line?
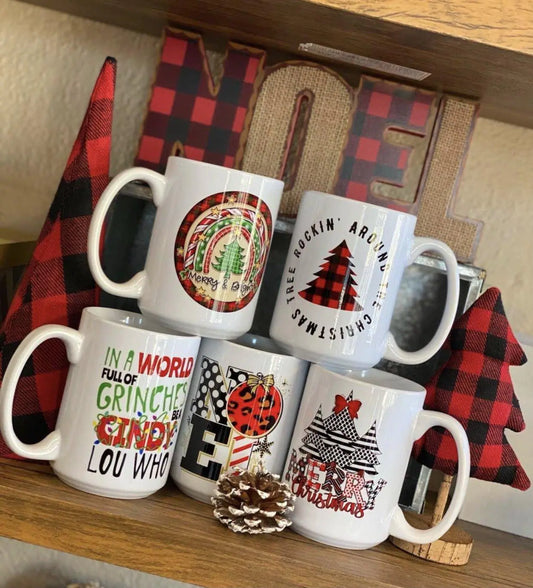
column 353, row 406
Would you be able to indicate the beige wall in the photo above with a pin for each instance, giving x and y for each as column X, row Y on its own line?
column 497, row 187
column 48, row 64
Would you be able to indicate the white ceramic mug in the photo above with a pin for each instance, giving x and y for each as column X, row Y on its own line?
column 208, row 249
column 241, row 410
column 349, row 454
column 341, row 279
column 118, row 422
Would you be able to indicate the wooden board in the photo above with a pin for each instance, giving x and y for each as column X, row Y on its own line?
column 174, row 536
column 474, row 49
column 482, row 21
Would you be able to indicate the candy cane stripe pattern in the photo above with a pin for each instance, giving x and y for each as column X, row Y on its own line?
column 241, row 446
column 240, row 452
column 221, row 249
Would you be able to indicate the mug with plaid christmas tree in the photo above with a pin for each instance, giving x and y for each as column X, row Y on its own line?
column 341, row 279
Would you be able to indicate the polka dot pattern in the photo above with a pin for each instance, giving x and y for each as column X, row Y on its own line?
column 236, row 376
column 210, row 395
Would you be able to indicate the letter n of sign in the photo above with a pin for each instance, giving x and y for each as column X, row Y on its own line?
column 189, row 112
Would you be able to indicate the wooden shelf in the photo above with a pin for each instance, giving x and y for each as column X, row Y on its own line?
column 476, row 48
column 171, row 535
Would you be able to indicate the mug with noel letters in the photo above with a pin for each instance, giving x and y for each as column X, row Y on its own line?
column 208, row 247
column 240, row 412
column 349, row 454
column 341, row 278
column 122, row 404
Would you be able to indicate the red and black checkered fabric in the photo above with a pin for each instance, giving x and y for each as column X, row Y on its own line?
column 188, row 114
column 57, row 283
column 381, row 105
column 334, row 285
column 475, row 387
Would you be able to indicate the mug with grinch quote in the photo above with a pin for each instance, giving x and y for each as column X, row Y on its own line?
column 341, row 278
column 208, row 248
column 349, row 454
column 122, row 404
column 239, row 414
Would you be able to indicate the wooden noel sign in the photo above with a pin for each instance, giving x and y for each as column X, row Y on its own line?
column 382, row 142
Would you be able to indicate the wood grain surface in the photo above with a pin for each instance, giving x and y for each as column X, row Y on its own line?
column 473, row 48
column 174, row 536
column 507, row 24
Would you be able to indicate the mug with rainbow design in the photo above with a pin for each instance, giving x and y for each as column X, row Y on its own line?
column 208, row 248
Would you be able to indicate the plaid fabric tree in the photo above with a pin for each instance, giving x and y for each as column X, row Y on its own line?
column 334, row 285
column 57, row 283
column 475, row 387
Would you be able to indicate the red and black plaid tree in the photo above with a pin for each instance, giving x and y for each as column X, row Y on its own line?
column 57, row 283
column 334, row 285
column 475, row 387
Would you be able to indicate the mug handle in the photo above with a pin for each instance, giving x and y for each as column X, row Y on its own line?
column 393, row 351
column 48, row 448
column 399, row 527
column 134, row 287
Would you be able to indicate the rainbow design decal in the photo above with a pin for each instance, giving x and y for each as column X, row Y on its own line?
column 221, row 249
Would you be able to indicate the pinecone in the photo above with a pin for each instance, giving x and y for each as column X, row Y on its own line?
column 252, row 502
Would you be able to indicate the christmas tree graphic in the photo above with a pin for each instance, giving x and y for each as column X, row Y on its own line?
column 364, row 458
column 338, row 443
column 314, row 433
column 335, row 439
column 334, row 285
column 231, row 259
column 336, row 449
column 333, row 446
